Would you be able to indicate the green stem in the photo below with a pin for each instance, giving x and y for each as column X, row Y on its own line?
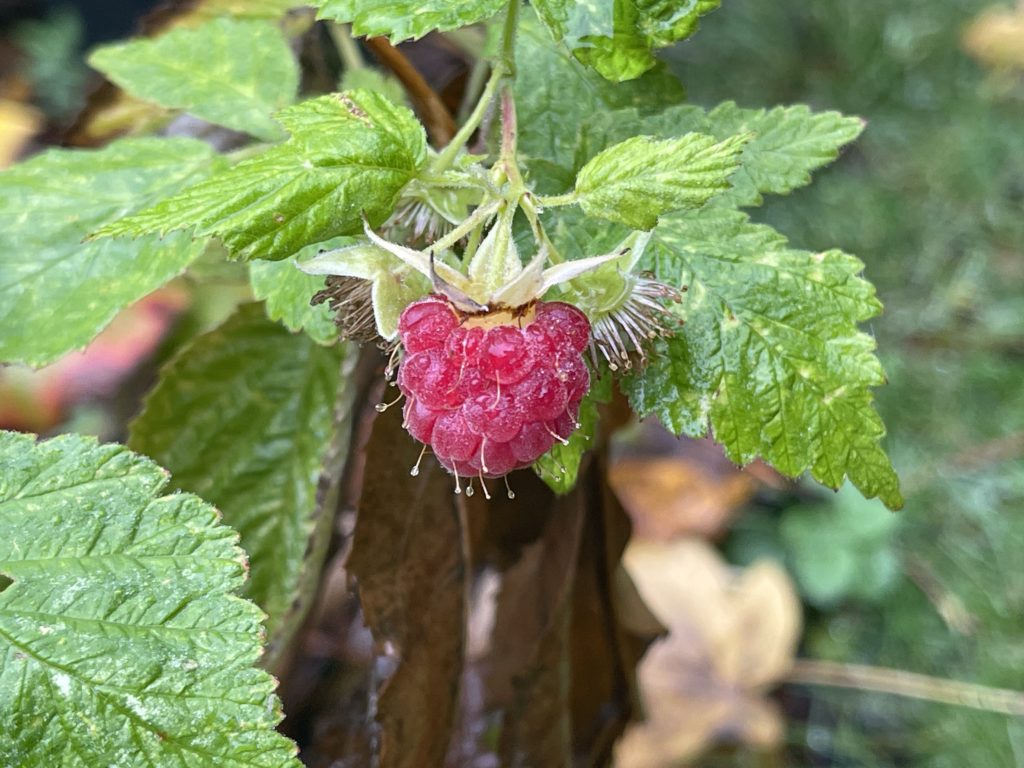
column 348, row 49
column 553, row 201
column 540, row 235
column 475, row 219
column 504, row 68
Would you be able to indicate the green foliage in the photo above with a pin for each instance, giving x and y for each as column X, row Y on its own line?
column 244, row 416
column 619, row 39
column 769, row 356
column 58, row 293
column 51, row 60
column 407, row 19
column 550, row 122
column 560, row 466
column 637, row 180
column 786, row 143
column 234, row 73
column 120, row 636
column 286, row 292
column 842, row 550
column 348, row 157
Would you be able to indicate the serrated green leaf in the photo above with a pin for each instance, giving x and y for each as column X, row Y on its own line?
column 121, row 643
column 786, row 144
column 349, row 154
column 231, row 72
column 559, row 468
column 245, row 417
column 769, row 356
column 286, row 291
column 638, row 180
column 619, row 38
column 56, row 292
column 406, row 19
column 556, row 95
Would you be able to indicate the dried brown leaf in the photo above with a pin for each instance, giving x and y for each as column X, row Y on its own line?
column 731, row 635
column 687, row 488
column 407, row 557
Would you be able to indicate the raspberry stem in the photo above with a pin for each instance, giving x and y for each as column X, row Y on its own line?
column 504, row 69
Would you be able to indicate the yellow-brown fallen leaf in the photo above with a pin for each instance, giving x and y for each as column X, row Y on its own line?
column 732, row 636
column 18, row 123
column 693, row 490
column 996, row 38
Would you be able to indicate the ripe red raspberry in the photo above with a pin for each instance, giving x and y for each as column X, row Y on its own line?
column 491, row 393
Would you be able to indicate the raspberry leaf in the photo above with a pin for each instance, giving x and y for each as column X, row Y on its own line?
column 637, row 180
column 786, row 144
column 58, row 293
column 619, row 39
column 287, row 291
column 769, row 357
column 234, row 73
column 245, row 416
column 349, row 155
column 406, row 19
column 549, row 122
column 119, row 630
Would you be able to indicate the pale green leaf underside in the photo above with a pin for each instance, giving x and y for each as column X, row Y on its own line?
column 349, row 154
column 769, row 355
column 56, row 292
column 234, row 73
column 286, row 292
column 405, row 19
column 121, row 643
column 619, row 39
column 637, row 180
column 244, row 416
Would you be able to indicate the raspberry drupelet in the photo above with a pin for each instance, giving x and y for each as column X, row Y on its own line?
column 490, row 393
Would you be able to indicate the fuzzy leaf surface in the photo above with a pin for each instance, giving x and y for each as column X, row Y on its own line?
column 769, row 357
column 555, row 95
column 244, row 416
column 121, row 641
column 619, row 38
column 786, row 143
column 234, row 73
column 286, row 291
column 349, row 154
column 406, row 19
column 637, row 180
column 56, row 292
